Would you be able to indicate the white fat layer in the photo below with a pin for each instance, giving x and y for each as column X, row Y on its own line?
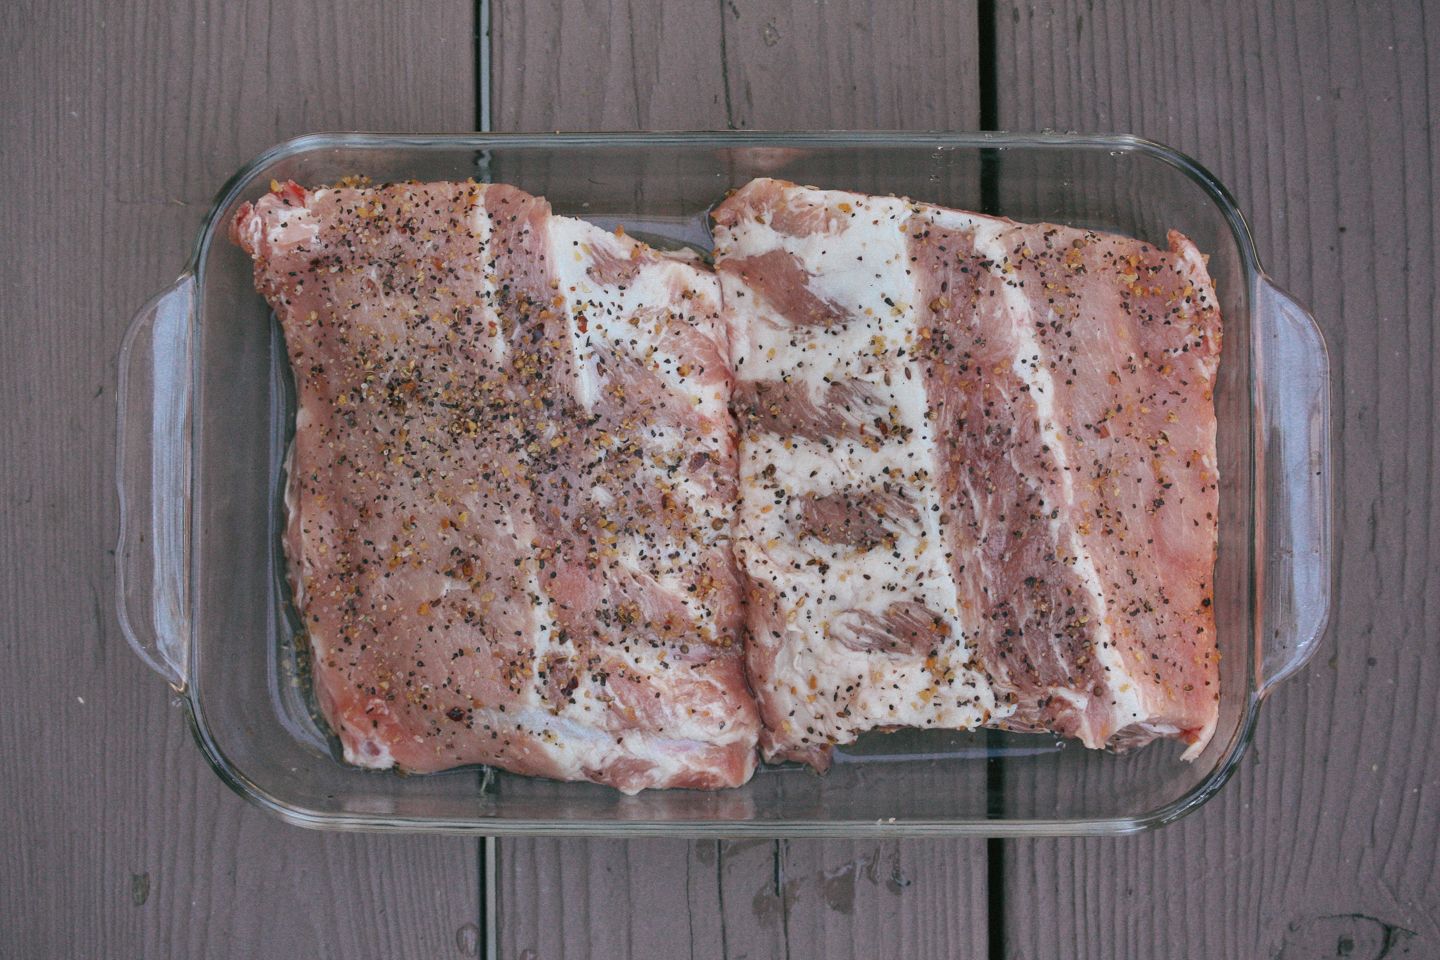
column 382, row 760
column 827, row 590
column 623, row 317
column 483, row 226
column 608, row 310
column 291, row 226
column 1027, row 365
column 294, row 525
column 575, row 745
column 1195, row 260
column 569, row 255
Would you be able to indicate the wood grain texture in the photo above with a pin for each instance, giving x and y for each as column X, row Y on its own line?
column 581, row 65
column 606, row 65
column 866, row 898
column 608, row 898
column 123, row 120
column 1318, row 117
column 757, row 64
column 737, row 899
column 851, row 65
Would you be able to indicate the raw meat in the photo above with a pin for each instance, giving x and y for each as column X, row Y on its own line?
column 977, row 472
column 510, row 488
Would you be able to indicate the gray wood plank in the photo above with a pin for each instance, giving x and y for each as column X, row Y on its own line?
column 866, row 898
column 761, row 64
column 578, row 65
column 734, row 899
column 606, row 65
column 1317, row 115
column 851, row 65
column 124, row 119
column 609, row 898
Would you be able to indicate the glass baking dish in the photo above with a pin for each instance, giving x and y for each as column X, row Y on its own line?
column 206, row 411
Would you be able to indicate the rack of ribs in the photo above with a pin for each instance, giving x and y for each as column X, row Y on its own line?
column 510, row 488
column 978, row 480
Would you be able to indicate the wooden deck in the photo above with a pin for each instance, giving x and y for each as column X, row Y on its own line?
column 123, row 119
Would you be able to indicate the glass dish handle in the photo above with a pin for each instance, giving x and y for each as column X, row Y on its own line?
column 1293, row 373
column 153, row 478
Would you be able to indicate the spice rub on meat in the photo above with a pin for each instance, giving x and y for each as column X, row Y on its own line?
column 978, row 475
column 511, row 486
column 855, row 622
column 1071, row 373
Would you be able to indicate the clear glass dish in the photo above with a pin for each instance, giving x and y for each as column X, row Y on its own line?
column 206, row 408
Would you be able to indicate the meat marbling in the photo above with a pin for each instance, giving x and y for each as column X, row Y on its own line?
column 978, row 479
column 510, row 488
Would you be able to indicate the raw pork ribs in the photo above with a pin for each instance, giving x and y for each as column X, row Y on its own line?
column 510, row 488
column 975, row 481
column 977, row 472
